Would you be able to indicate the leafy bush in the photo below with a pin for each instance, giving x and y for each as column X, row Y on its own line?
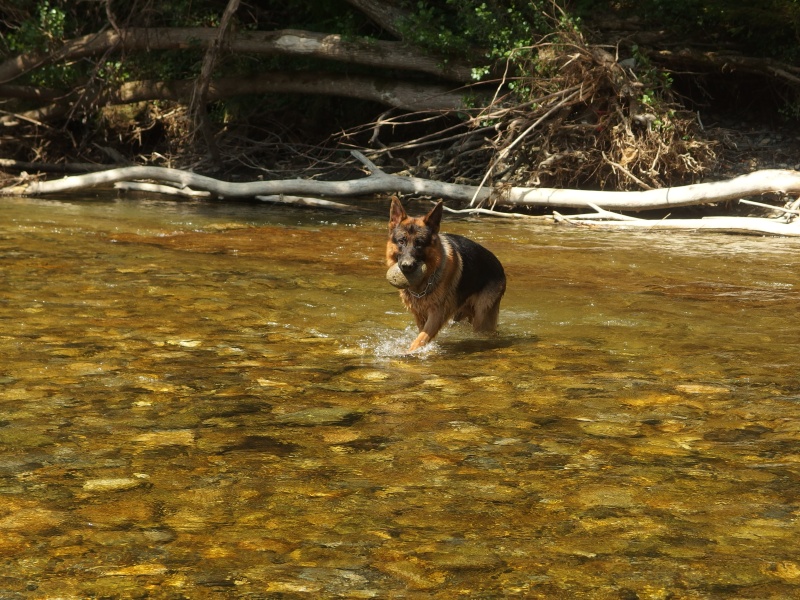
column 499, row 28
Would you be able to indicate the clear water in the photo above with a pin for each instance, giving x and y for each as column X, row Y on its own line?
column 205, row 400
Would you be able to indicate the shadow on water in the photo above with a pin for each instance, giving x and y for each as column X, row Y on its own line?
column 485, row 345
column 209, row 400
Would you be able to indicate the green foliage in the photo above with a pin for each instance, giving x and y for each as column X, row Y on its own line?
column 656, row 83
column 44, row 28
column 502, row 29
column 790, row 111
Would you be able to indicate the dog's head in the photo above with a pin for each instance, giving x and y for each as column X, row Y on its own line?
column 413, row 240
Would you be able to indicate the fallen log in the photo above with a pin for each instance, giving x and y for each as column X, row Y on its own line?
column 603, row 219
column 751, row 184
column 406, row 95
column 378, row 182
column 370, row 52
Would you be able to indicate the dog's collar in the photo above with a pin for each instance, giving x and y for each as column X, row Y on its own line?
column 436, row 274
column 428, row 287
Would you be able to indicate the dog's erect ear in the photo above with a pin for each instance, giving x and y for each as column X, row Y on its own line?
column 434, row 218
column 396, row 213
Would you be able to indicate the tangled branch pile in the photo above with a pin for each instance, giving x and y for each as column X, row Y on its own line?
column 576, row 118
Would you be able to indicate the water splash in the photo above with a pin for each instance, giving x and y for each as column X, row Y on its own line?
column 391, row 344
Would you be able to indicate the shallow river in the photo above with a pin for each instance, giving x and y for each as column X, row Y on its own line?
column 200, row 400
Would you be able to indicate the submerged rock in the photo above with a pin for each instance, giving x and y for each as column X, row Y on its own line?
column 321, row 416
column 112, row 484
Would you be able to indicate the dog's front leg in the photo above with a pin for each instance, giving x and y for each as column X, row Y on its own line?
column 429, row 331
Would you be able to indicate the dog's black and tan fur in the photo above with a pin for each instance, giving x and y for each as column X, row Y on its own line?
column 463, row 279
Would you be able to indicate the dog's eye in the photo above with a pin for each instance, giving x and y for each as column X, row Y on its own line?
column 418, row 243
column 401, row 241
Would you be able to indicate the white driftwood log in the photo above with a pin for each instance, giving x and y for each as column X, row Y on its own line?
column 751, row 184
column 603, row 219
column 378, row 182
column 154, row 188
column 751, row 225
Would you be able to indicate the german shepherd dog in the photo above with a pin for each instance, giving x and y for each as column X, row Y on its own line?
column 460, row 278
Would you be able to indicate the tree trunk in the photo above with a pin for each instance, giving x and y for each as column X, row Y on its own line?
column 382, row 13
column 375, row 53
column 398, row 94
